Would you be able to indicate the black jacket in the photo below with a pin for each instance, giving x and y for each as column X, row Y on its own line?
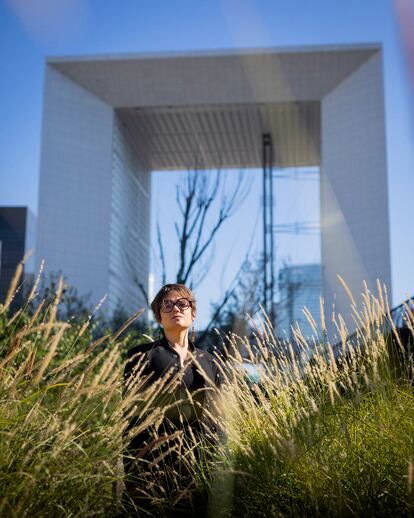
column 200, row 377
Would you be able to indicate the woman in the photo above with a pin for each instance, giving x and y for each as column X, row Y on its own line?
column 190, row 378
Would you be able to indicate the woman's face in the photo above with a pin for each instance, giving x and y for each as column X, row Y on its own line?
column 177, row 318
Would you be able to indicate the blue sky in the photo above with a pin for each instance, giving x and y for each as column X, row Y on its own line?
column 30, row 31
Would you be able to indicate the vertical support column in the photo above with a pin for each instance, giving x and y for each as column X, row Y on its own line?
column 354, row 193
column 73, row 232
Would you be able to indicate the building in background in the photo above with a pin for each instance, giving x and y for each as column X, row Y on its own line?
column 300, row 286
column 109, row 121
column 17, row 238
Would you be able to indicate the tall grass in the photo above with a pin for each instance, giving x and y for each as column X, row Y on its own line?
column 334, row 436
column 61, row 415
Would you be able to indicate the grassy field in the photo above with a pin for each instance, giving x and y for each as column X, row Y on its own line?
column 330, row 437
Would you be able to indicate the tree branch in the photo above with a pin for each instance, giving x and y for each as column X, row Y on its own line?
column 196, row 196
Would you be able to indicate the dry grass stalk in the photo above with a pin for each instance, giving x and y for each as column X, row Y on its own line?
column 52, row 346
column 33, row 291
column 88, row 321
column 347, row 290
column 125, row 326
column 53, row 310
column 13, row 287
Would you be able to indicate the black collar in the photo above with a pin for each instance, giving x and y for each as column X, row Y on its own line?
column 164, row 342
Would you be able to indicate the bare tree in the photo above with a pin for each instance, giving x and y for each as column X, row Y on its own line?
column 204, row 207
column 205, row 204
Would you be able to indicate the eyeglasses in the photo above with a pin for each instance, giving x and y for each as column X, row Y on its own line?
column 168, row 305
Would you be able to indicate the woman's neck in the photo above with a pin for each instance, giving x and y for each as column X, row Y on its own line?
column 178, row 338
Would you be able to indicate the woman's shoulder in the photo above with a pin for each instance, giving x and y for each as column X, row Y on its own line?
column 143, row 348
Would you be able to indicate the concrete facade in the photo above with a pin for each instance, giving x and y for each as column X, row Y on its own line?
column 109, row 121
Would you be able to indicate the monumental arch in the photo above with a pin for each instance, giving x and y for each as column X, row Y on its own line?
column 109, row 121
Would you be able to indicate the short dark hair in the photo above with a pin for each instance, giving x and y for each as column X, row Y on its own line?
column 180, row 289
